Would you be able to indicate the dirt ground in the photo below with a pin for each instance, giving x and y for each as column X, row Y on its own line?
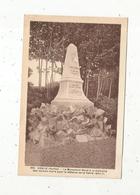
column 94, row 154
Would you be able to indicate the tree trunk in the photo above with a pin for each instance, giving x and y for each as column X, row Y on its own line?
column 46, row 79
column 87, row 86
column 41, row 72
column 101, row 85
column 62, row 67
column 51, row 78
column 98, row 86
column 110, row 87
column 52, row 69
column 39, row 79
column 85, row 83
column 46, row 73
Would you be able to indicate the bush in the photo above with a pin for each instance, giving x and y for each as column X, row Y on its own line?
column 109, row 105
column 38, row 95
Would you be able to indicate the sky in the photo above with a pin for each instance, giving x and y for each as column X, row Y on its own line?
column 33, row 64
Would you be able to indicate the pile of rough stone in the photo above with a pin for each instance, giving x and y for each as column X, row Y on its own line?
column 50, row 125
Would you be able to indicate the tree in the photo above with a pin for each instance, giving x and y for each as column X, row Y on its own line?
column 30, row 71
column 97, row 44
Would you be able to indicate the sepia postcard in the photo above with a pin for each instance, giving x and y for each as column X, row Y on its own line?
column 72, row 96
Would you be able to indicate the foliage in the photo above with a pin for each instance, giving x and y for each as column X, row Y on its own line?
column 38, row 95
column 98, row 47
column 98, row 44
column 50, row 40
column 110, row 107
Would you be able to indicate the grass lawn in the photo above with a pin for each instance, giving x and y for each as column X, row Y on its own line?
column 94, row 154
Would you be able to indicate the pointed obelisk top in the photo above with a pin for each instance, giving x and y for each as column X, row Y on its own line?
column 71, row 65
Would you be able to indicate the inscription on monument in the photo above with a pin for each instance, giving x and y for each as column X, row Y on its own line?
column 76, row 85
column 75, row 88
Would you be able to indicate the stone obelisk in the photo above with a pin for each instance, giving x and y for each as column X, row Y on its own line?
column 71, row 85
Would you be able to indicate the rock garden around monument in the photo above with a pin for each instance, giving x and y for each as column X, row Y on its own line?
column 52, row 125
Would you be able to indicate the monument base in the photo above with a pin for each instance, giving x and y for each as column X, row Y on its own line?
column 68, row 104
column 71, row 93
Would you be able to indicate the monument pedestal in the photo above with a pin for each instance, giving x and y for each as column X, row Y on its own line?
column 71, row 85
column 71, row 92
